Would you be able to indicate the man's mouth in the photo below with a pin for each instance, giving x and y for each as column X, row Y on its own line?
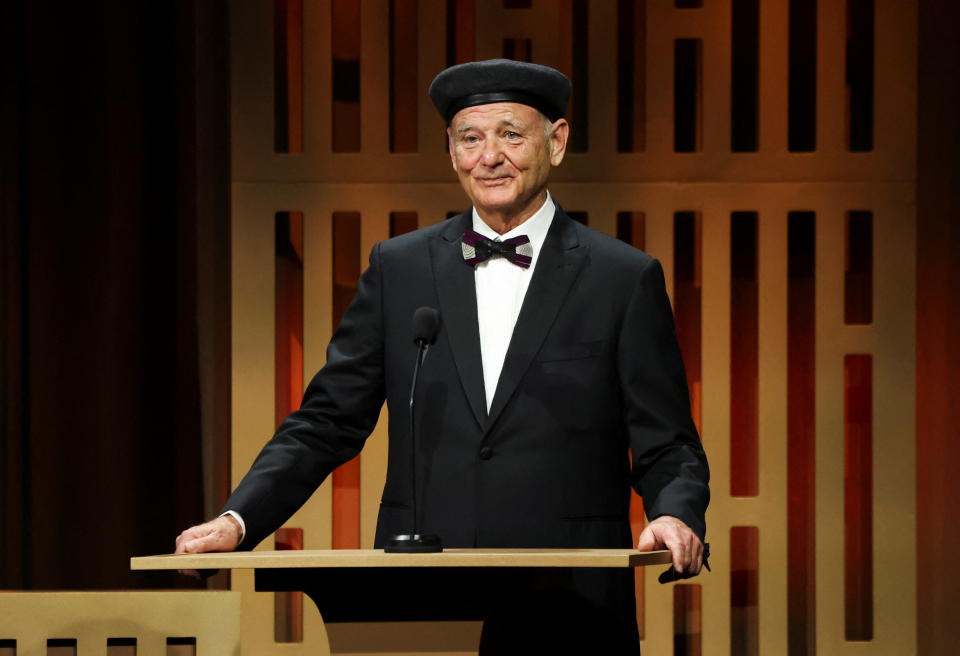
column 494, row 182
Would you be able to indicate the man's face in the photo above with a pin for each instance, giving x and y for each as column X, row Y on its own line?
column 502, row 155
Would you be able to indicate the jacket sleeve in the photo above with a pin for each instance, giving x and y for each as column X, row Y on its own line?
column 670, row 468
column 340, row 409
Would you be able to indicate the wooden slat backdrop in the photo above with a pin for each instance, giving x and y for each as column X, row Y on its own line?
column 830, row 182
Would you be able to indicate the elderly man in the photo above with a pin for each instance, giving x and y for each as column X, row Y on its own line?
column 556, row 358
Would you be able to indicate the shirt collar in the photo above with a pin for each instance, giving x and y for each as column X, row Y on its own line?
column 535, row 228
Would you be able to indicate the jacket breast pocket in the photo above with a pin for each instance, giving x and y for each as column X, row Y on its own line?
column 561, row 352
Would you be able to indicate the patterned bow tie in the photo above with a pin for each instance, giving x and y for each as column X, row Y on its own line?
column 477, row 248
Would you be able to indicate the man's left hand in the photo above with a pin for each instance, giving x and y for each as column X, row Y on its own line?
column 666, row 532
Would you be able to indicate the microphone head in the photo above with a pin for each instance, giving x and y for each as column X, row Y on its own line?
column 426, row 325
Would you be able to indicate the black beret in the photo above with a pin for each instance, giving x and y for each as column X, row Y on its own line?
column 500, row 80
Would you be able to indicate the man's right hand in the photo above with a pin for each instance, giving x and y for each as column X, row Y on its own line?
column 220, row 534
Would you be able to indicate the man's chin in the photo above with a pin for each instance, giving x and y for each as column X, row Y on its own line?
column 496, row 201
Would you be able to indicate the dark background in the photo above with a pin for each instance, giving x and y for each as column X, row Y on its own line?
column 115, row 234
column 114, row 387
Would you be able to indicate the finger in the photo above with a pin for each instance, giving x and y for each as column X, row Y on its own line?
column 210, row 542
column 676, row 548
column 182, row 539
column 688, row 551
column 698, row 556
column 190, row 534
column 647, row 541
column 192, row 573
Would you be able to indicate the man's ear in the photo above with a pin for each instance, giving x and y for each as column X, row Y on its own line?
column 559, row 133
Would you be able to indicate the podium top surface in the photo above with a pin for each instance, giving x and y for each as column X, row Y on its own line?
column 377, row 558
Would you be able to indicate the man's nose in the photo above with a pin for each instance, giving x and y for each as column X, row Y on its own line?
column 492, row 154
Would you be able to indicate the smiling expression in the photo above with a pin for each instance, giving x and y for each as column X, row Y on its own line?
column 503, row 155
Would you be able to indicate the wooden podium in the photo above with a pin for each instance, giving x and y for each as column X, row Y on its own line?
column 352, row 586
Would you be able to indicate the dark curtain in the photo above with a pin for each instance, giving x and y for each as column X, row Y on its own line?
column 114, row 200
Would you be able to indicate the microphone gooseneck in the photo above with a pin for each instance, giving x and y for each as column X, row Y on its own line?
column 426, row 327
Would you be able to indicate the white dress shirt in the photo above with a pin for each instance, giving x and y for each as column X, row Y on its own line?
column 501, row 286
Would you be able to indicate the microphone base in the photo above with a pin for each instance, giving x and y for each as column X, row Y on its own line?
column 416, row 543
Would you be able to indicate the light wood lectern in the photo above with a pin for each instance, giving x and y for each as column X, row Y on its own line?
column 368, row 585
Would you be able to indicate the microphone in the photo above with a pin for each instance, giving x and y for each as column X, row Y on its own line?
column 426, row 326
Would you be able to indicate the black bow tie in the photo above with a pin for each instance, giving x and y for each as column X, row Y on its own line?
column 477, row 248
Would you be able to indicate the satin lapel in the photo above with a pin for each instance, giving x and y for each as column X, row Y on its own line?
column 560, row 261
column 457, row 292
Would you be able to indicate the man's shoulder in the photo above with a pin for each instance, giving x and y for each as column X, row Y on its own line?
column 612, row 251
column 416, row 239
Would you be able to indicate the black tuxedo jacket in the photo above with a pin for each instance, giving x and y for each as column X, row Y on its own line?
column 593, row 370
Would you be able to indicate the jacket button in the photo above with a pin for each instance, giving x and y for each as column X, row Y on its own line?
column 486, row 453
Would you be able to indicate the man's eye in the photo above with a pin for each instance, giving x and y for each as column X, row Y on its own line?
column 471, row 139
column 510, row 134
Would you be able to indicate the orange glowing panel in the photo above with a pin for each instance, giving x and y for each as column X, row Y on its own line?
column 687, row 95
column 288, row 76
column 402, row 223
column 744, row 362
column 631, row 75
column 686, row 301
column 631, row 228
column 744, row 75
column 518, row 49
column 858, row 496
column 403, row 76
column 461, row 31
column 288, row 314
column 345, row 92
column 802, row 76
column 687, row 620
column 858, row 276
column 346, row 477
column 801, row 419
column 576, row 59
column 744, row 591
column 859, row 77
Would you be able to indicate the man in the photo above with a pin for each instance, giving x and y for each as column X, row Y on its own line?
column 556, row 355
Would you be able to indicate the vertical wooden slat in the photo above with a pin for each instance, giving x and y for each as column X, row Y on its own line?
column 288, row 606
